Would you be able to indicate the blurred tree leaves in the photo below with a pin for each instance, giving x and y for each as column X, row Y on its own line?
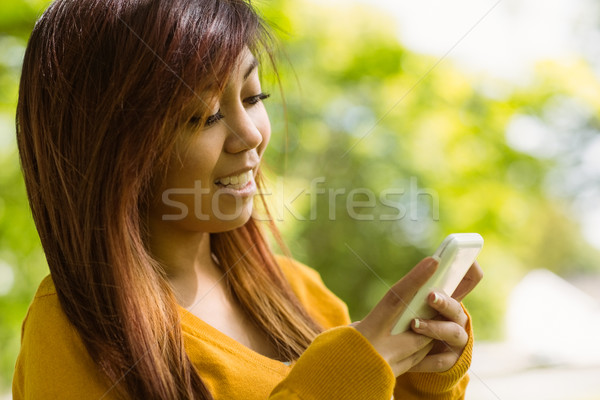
column 364, row 112
column 22, row 264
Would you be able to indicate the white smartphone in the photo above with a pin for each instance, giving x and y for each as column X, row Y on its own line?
column 455, row 255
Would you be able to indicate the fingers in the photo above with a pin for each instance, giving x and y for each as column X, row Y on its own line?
column 436, row 363
column 450, row 335
column 449, row 332
column 394, row 302
column 448, row 307
column 473, row 276
column 404, row 346
column 402, row 351
column 411, row 362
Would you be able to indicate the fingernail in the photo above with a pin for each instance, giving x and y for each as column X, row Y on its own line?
column 436, row 298
column 418, row 323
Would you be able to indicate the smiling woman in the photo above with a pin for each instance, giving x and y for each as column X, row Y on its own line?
column 217, row 157
column 141, row 130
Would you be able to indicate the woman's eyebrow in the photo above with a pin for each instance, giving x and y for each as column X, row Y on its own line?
column 251, row 67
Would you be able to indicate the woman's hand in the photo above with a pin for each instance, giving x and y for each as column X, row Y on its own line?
column 449, row 330
column 405, row 350
column 473, row 276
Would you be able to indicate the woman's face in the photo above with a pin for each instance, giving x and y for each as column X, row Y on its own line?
column 210, row 182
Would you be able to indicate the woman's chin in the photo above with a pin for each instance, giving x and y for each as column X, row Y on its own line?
column 225, row 221
column 226, row 218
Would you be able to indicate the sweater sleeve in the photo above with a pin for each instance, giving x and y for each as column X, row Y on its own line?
column 317, row 375
column 339, row 364
column 447, row 385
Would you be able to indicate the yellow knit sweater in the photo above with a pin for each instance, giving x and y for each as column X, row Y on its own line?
column 339, row 364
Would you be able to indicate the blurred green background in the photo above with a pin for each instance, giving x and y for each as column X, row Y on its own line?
column 444, row 148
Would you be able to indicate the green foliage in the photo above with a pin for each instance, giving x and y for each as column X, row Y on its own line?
column 367, row 113
column 22, row 263
column 363, row 112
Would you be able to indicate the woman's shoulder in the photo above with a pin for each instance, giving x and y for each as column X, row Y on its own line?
column 45, row 307
column 308, row 286
column 52, row 355
column 45, row 311
column 45, row 319
column 46, row 288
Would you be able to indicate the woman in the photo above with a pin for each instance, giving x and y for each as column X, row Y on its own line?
column 140, row 129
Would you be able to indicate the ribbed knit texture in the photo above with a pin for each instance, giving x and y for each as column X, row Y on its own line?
column 339, row 364
column 360, row 372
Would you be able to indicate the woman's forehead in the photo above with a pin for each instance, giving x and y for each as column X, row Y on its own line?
column 245, row 65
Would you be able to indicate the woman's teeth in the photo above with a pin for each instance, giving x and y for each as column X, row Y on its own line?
column 236, row 181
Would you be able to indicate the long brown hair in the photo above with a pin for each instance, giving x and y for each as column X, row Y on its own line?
column 102, row 92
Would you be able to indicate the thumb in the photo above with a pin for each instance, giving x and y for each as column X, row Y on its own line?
column 395, row 301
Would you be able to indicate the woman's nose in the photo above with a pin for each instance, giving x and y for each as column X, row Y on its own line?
column 243, row 134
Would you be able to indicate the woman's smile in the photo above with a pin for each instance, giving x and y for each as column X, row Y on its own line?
column 210, row 183
column 237, row 184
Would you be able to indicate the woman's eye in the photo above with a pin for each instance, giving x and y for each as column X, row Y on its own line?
column 255, row 99
column 211, row 120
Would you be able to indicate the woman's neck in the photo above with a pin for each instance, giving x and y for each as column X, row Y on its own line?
column 187, row 260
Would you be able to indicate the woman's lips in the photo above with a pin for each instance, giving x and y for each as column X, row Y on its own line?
column 246, row 189
column 237, row 181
